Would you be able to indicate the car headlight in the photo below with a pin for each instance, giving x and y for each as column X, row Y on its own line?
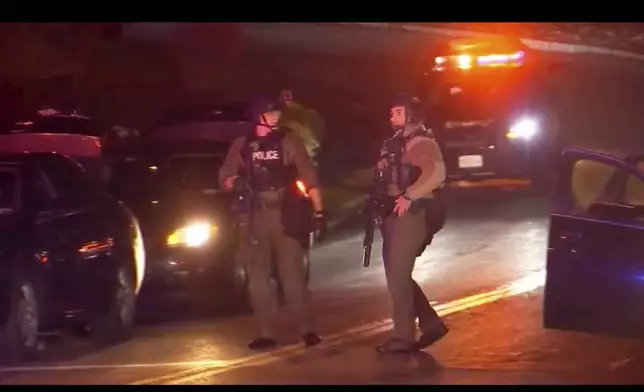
column 524, row 128
column 193, row 235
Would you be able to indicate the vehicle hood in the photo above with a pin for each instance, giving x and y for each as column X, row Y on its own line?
column 168, row 185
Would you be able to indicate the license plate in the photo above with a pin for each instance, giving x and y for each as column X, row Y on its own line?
column 470, row 161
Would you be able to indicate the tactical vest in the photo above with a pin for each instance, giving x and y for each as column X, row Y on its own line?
column 265, row 166
column 399, row 174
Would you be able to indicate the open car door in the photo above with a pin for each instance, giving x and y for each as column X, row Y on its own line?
column 595, row 260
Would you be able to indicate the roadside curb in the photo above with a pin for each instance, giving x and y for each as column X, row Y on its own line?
column 540, row 45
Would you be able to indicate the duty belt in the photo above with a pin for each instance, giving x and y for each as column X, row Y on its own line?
column 262, row 204
column 269, row 198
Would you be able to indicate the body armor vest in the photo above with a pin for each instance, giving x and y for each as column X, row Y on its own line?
column 265, row 167
column 399, row 174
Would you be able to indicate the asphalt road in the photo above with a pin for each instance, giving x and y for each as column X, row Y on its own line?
column 493, row 239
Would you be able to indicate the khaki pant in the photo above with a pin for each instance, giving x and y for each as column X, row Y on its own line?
column 289, row 260
column 402, row 237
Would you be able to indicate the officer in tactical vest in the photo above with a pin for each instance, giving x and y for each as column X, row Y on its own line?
column 412, row 169
column 268, row 162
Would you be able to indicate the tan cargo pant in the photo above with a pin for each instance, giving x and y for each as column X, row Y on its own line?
column 402, row 237
column 289, row 260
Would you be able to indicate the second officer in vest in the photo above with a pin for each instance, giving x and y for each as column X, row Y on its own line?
column 412, row 170
column 267, row 162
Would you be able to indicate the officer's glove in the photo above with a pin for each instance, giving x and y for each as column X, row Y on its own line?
column 239, row 184
column 319, row 226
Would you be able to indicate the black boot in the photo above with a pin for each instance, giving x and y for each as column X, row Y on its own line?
column 431, row 336
column 311, row 339
column 262, row 343
column 396, row 346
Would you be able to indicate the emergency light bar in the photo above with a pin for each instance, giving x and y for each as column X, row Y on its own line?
column 466, row 61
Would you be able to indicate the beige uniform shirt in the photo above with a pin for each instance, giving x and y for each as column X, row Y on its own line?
column 424, row 153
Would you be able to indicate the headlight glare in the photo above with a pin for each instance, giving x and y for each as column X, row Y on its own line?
column 524, row 128
column 193, row 235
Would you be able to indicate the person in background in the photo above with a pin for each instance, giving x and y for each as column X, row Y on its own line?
column 306, row 123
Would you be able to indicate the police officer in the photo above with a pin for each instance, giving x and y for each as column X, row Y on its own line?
column 270, row 160
column 413, row 169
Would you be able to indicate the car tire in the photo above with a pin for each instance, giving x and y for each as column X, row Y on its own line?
column 19, row 336
column 117, row 325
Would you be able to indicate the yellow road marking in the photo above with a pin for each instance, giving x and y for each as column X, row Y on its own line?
column 497, row 182
column 209, row 364
column 525, row 285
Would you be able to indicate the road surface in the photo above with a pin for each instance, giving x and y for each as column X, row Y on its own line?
column 478, row 271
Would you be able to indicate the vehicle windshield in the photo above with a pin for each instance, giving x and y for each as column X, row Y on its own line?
column 184, row 136
column 477, row 99
column 170, row 167
column 187, row 114
column 185, row 147
column 9, row 191
column 190, row 124
column 190, row 171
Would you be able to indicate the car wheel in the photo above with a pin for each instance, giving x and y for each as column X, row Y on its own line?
column 117, row 324
column 19, row 336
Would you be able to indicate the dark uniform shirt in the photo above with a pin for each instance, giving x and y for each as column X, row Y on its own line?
column 294, row 153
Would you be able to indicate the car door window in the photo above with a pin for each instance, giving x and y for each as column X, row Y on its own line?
column 593, row 182
column 633, row 192
column 9, row 190
column 63, row 182
column 43, row 192
column 596, row 186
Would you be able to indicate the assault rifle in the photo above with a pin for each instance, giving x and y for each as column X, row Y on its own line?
column 378, row 206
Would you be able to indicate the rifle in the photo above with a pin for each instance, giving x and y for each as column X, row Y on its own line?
column 379, row 205
column 244, row 196
column 370, row 228
column 376, row 210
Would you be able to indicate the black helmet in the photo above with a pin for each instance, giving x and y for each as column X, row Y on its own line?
column 413, row 107
column 261, row 105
